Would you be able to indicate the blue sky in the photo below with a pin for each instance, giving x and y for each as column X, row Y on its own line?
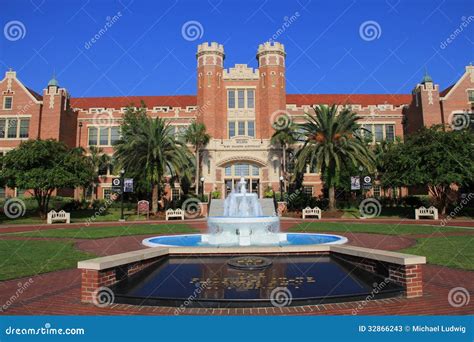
column 144, row 51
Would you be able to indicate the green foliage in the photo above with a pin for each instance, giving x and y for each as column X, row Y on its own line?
column 432, row 157
column 332, row 142
column 216, row 194
column 148, row 151
column 43, row 166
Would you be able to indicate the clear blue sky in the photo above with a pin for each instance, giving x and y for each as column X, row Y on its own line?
column 144, row 51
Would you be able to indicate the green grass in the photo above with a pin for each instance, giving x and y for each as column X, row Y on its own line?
column 451, row 251
column 21, row 258
column 367, row 227
column 106, row 232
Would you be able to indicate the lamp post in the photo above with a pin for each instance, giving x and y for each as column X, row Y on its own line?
column 281, row 187
column 202, row 189
column 122, row 173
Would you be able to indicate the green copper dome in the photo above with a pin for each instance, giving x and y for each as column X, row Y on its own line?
column 53, row 82
column 426, row 78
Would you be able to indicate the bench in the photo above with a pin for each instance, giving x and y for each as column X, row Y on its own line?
column 312, row 212
column 422, row 211
column 60, row 216
column 178, row 213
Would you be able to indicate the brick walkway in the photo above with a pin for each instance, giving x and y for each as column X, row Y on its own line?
column 58, row 293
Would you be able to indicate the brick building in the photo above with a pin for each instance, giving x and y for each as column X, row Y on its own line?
column 238, row 106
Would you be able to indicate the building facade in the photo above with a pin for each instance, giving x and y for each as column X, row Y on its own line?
column 238, row 106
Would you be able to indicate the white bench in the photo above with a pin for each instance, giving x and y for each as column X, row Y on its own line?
column 61, row 216
column 170, row 213
column 312, row 212
column 422, row 211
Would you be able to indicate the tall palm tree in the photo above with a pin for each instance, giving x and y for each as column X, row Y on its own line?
column 285, row 137
column 99, row 161
column 332, row 140
column 196, row 135
column 148, row 148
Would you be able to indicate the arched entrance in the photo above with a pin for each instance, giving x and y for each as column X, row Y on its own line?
column 250, row 169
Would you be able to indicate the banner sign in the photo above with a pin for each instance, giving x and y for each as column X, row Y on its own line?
column 355, row 183
column 367, row 183
column 117, row 185
column 128, row 185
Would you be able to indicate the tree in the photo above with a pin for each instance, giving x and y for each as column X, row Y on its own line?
column 332, row 141
column 433, row 158
column 196, row 135
column 285, row 137
column 99, row 161
column 148, row 149
column 44, row 166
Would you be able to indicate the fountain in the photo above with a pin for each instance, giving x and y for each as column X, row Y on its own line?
column 243, row 223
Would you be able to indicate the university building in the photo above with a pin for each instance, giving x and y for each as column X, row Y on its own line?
column 238, row 105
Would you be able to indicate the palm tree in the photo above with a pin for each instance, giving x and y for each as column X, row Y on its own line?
column 196, row 135
column 332, row 141
column 99, row 161
column 285, row 137
column 148, row 148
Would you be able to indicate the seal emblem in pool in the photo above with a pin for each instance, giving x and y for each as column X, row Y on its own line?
column 249, row 263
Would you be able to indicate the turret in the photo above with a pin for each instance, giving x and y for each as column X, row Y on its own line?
column 271, row 65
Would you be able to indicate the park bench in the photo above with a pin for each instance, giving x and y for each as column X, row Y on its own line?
column 422, row 211
column 178, row 213
column 61, row 216
column 312, row 212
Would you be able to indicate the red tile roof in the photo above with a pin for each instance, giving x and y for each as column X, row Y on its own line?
column 362, row 99
column 119, row 102
column 191, row 100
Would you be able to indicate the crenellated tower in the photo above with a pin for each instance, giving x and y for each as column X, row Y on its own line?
column 272, row 93
column 210, row 90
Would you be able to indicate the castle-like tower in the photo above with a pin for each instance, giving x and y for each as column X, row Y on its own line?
column 210, row 90
column 271, row 87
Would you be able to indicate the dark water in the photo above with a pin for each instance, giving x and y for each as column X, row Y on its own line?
column 209, row 281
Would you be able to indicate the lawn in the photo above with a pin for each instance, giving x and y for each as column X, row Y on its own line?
column 451, row 251
column 21, row 258
column 106, row 232
column 374, row 228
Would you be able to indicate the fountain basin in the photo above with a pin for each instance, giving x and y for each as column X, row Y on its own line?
column 285, row 239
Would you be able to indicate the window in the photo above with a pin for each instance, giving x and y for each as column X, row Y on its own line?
column 92, row 136
column 104, row 136
column 367, row 131
column 3, row 123
column 250, row 98
column 2, row 192
column 378, row 133
column 251, row 129
column 390, row 132
column 108, row 193
column 470, row 94
column 241, row 169
column 208, row 163
column 7, row 102
column 231, row 129
column 241, row 126
column 228, row 170
column 377, row 191
column 114, row 135
column 24, row 128
column 308, row 190
column 175, row 193
column 255, row 171
column 241, row 98
column 12, row 127
column 231, row 98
